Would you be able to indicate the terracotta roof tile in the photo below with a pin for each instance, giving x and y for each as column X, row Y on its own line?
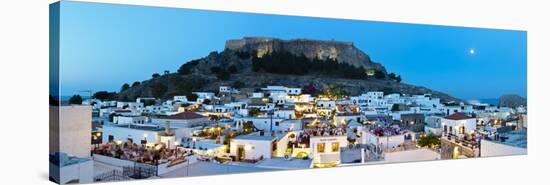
column 185, row 115
column 458, row 116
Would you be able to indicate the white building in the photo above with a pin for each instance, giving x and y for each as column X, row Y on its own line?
column 65, row 169
column 257, row 95
column 261, row 105
column 456, row 108
column 285, row 113
column 326, row 104
column 346, row 118
column 386, row 140
column 458, row 124
column 278, row 98
column 129, row 119
column 288, row 90
column 374, row 95
column 129, row 105
column 140, row 134
column 433, row 125
column 325, row 150
column 302, row 98
column 202, row 96
column 185, row 119
column 252, row 147
column 143, row 100
column 293, row 91
column 180, row 99
column 227, row 89
column 394, row 98
column 265, row 123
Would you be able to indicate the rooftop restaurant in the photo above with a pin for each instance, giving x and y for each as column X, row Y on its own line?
column 155, row 154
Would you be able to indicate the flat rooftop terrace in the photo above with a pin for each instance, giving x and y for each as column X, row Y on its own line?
column 517, row 138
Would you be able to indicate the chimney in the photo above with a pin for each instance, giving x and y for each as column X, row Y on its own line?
column 167, row 128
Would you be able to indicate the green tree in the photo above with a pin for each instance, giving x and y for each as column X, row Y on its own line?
column 248, row 127
column 75, row 100
column 155, row 75
column 398, row 79
column 158, row 90
column 391, row 76
column 186, row 68
column 310, row 89
column 215, row 69
column 238, row 84
column 430, row 140
column 136, row 83
column 243, row 55
column 223, row 75
column 124, row 87
column 254, row 112
column 335, row 92
column 104, row 95
column 191, row 97
column 395, row 107
column 232, row 69
column 379, row 74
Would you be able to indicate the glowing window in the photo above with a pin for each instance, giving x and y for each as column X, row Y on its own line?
column 321, row 148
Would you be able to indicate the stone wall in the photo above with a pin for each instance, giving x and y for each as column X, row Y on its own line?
column 447, row 149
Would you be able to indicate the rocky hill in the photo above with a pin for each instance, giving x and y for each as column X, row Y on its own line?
column 343, row 52
column 512, row 100
column 252, row 63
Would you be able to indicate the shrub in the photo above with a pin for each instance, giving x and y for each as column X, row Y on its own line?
column 75, row 100
column 232, row 69
column 124, row 87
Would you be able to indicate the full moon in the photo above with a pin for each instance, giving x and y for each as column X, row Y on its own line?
column 472, row 51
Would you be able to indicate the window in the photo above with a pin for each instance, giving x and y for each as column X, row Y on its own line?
column 321, row 148
column 335, row 147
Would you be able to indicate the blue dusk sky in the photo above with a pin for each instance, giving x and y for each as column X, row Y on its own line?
column 103, row 46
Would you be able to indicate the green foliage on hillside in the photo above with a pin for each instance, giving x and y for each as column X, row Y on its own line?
column 334, row 92
column 222, row 73
column 393, row 76
column 232, row 69
column 186, row 86
column 243, row 55
column 238, row 84
column 288, row 63
column 310, row 89
column 75, row 100
column 158, row 90
column 379, row 74
column 186, row 68
column 105, row 96
column 124, row 87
